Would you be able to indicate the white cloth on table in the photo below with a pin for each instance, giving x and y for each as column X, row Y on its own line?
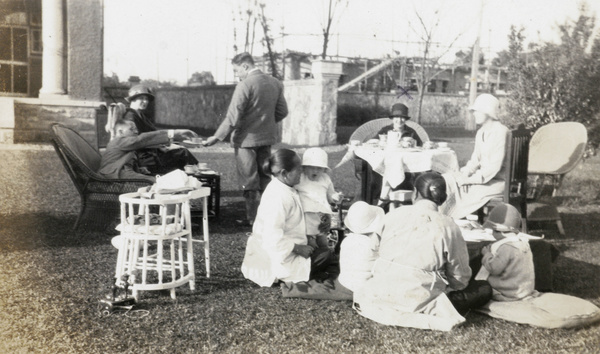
column 279, row 225
column 422, row 256
column 393, row 162
column 357, row 256
column 484, row 173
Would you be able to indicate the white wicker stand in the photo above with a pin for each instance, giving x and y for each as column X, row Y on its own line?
column 157, row 250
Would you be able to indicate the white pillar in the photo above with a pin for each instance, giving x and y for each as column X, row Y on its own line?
column 54, row 54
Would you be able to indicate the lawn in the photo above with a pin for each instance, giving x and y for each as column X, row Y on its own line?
column 53, row 278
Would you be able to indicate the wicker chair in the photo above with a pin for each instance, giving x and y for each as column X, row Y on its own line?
column 362, row 169
column 99, row 195
column 549, row 162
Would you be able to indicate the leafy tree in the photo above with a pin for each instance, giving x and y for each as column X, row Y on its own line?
column 110, row 81
column 204, row 78
column 558, row 81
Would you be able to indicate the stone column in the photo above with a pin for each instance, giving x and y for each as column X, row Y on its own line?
column 54, row 54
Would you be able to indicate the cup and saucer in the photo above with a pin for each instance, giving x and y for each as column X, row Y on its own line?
column 443, row 146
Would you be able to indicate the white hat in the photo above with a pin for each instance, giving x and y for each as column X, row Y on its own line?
column 363, row 218
column 315, row 157
column 487, row 104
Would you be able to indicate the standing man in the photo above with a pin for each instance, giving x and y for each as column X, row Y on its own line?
column 256, row 107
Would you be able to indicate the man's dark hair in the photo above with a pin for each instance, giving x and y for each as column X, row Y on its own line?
column 242, row 58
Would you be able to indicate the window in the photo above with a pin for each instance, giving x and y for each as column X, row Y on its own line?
column 36, row 41
column 445, row 86
column 14, row 54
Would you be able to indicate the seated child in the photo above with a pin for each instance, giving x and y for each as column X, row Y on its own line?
column 120, row 161
column 358, row 252
column 360, row 248
column 316, row 192
column 509, row 261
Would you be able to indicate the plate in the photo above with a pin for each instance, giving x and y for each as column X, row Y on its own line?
column 207, row 172
column 189, row 142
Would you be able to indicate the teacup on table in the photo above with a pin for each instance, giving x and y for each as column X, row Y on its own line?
column 190, row 169
column 442, row 145
column 202, row 166
column 428, row 145
column 196, row 140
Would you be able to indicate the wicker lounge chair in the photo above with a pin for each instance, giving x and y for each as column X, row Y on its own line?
column 555, row 149
column 99, row 195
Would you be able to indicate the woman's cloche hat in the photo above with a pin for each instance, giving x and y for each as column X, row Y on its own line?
column 363, row 218
column 139, row 90
column 315, row 157
column 487, row 104
column 399, row 110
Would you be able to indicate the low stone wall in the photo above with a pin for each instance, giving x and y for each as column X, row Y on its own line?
column 438, row 109
column 198, row 107
column 33, row 119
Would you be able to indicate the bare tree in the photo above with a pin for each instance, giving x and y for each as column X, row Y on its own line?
column 332, row 8
column 427, row 65
column 268, row 40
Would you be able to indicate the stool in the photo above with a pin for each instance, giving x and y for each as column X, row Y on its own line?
column 213, row 181
column 157, row 250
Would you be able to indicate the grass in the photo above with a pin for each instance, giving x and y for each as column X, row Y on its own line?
column 53, row 278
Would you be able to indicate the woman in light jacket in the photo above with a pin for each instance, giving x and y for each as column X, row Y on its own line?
column 483, row 176
column 421, row 278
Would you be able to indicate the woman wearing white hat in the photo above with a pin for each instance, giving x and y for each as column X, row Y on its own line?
column 482, row 177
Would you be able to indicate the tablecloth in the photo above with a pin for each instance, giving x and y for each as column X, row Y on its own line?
column 393, row 162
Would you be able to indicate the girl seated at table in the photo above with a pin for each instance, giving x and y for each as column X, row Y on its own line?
column 483, row 176
column 316, row 193
column 278, row 248
column 399, row 116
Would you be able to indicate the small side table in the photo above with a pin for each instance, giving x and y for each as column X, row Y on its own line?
column 157, row 249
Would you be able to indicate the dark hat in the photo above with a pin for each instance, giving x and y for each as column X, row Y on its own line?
column 504, row 214
column 399, row 110
column 139, row 90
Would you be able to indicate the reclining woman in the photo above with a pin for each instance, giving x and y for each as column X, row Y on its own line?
column 278, row 248
column 158, row 160
column 421, row 278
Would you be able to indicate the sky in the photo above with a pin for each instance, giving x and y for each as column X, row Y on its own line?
column 168, row 40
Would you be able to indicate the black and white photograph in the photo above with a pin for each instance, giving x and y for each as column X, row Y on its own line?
column 284, row 176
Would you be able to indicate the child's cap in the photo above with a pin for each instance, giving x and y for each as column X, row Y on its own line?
column 316, row 157
column 363, row 218
column 504, row 214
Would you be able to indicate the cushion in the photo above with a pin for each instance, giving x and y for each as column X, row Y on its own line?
column 546, row 310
